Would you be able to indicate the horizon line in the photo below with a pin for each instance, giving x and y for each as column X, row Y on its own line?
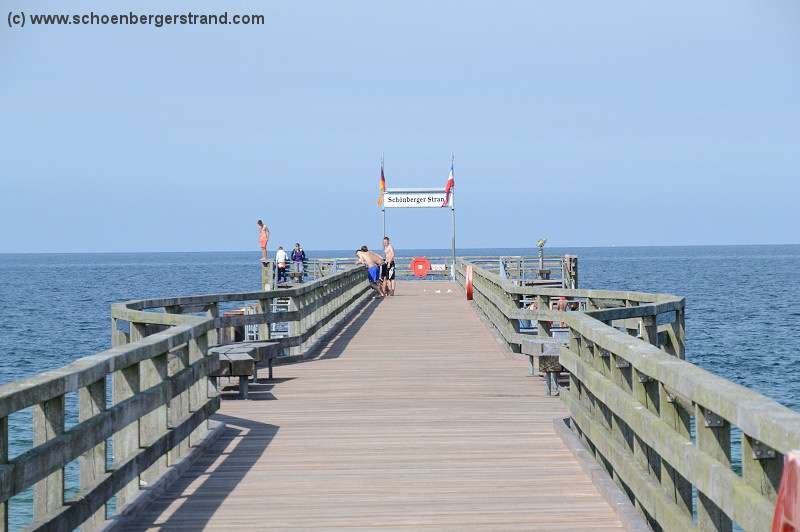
column 532, row 247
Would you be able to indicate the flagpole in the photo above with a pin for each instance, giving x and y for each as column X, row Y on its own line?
column 453, row 213
column 383, row 205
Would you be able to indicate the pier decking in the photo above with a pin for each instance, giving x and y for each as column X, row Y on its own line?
column 413, row 416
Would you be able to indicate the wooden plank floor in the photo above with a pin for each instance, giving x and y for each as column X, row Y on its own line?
column 413, row 418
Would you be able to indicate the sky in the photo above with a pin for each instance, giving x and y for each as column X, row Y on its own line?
column 589, row 123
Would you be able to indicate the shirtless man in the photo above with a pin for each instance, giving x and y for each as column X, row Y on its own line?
column 387, row 271
column 373, row 263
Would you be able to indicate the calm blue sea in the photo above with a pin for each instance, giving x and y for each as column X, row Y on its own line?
column 742, row 317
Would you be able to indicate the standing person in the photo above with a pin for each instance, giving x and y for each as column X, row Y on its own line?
column 299, row 260
column 388, row 267
column 373, row 263
column 281, row 259
column 263, row 238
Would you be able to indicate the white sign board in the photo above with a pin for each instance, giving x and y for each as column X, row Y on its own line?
column 415, row 198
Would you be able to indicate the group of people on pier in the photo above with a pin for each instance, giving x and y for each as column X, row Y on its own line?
column 381, row 269
column 297, row 258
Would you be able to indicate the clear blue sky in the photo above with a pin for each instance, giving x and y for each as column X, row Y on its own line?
column 592, row 123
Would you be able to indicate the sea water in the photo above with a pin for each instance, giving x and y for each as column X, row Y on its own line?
column 742, row 317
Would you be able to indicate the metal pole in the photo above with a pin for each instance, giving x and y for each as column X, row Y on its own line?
column 453, row 212
column 383, row 205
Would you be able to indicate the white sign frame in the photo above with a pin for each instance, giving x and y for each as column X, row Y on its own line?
column 416, row 198
column 421, row 198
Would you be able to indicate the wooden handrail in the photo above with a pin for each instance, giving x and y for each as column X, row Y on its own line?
column 659, row 424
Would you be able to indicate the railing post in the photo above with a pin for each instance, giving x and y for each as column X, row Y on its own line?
column 322, row 311
column 571, row 261
column 621, row 373
column 587, row 352
column 212, row 311
column 117, row 337
column 333, row 306
column 649, row 330
column 678, row 489
column 761, row 467
column 516, row 300
column 645, row 391
column 264, row 307
column 125, row 384
column 198, row 393
column 578, row 345
column 3, row 461
column 331, row 294
column 92, row 402
column 336, row 303
column 679, row 329
column 315, row 297
column 48, row 422
column 714, row 439
column 267, row 276
column 177, row 408
column 296, row 326
column 152, row 426
column 308, row 301
column 543, row 326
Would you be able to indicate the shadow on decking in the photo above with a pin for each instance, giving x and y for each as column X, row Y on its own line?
column 258, row 390
column 336, row 346
column 194, row 498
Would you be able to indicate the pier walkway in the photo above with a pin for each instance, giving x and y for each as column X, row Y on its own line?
column 412, row 417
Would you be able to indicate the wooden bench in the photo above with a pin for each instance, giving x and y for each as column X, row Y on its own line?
column 542, row 356
column 233, row 363
column 241, row 359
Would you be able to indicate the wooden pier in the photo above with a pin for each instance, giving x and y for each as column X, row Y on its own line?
column 412, row 417
column 424, row 410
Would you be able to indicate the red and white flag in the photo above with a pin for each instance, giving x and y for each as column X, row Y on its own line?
column 448, row 188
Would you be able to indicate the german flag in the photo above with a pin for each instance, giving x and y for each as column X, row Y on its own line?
column 381, row 187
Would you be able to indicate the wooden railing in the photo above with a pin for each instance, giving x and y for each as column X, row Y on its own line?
column 160, row 400
column 667, row 431
column 524, row 270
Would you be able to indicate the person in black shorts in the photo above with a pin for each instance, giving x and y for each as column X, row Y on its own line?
column 387, row 268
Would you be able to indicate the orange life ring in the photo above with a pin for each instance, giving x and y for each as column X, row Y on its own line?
column 468, row 283
column 420, row 266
